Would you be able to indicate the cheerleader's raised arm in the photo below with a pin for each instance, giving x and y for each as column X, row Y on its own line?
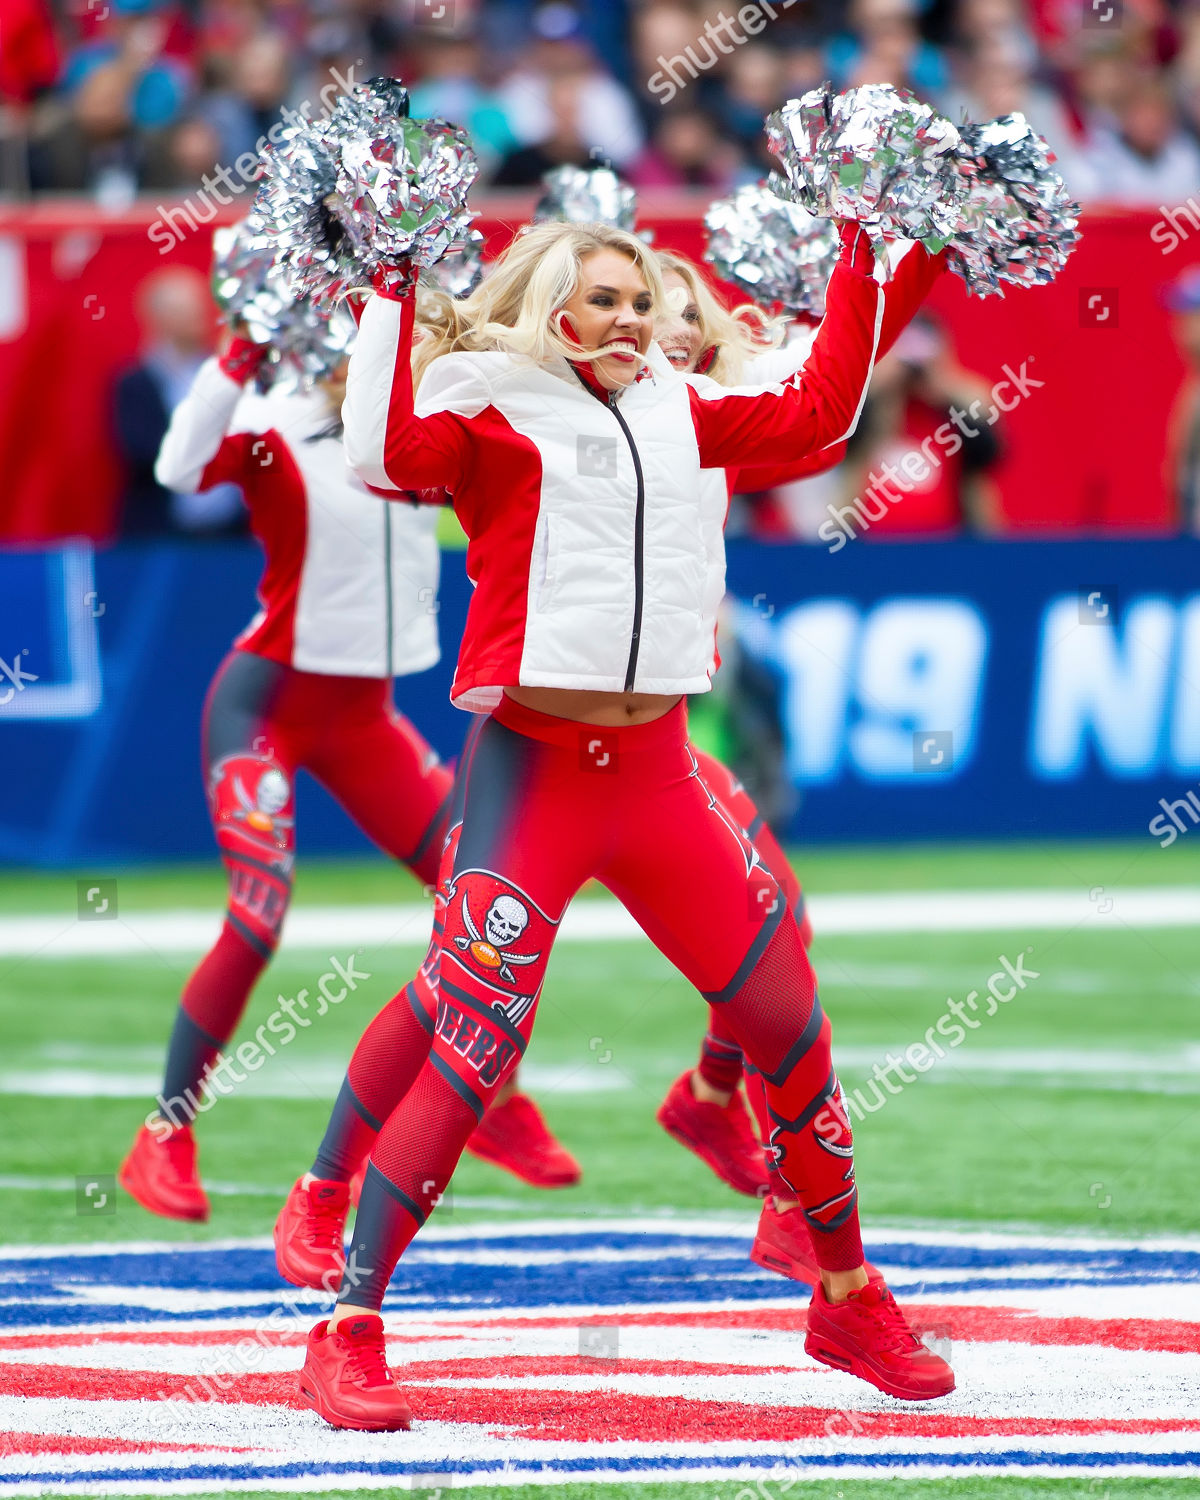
column 388, row 446
column 819, row 405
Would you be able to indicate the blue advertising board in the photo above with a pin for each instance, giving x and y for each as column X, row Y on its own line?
column 940, row 690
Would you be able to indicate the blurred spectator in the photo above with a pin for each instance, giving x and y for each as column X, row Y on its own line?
column 688, row 151
column 153, row 41
column 186, row 84
column 803, row 67
column 561, row 144
column 1001, row 24
column 176, row 317
column 559, row 101
column 1146, row 159
column 884, row 45
column 917, row 465
column 1187, row 70
column 1098, row 80
column 28, row 51
column 258, row 87
column 28, row 66
column 450, row 88
column 1183, row 433
column 95, row 148
column 194, row 148
column 661, row 30
column 753, row 85
column 996, row 77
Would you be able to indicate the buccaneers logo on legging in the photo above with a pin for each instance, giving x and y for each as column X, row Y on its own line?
column 250, row 792
column 500, row 937
column 252, row 812
column 506, row 919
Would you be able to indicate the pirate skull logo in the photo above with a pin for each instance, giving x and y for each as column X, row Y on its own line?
column 505, row 921
column 262, row 811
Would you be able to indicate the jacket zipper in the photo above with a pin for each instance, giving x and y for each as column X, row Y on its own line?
column 639, row 546
column 387, row 590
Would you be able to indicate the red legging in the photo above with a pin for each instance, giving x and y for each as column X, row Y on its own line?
column 374, row 1085
column 548, row 803
column 262, row 722
column 720, row 1053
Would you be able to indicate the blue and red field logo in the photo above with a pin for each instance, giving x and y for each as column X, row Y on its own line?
column 596, row 1351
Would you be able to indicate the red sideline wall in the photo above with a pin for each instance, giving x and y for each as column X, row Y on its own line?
column 1085, row 449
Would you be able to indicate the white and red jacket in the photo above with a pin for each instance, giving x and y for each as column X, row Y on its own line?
column 350, row 583
column 597, row 553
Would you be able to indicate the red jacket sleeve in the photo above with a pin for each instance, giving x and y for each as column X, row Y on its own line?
column 388, row 446
column 811, row 410
column 231, row 461
column 903, row 295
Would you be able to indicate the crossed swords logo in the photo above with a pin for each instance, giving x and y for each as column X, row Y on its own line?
column 504, row 923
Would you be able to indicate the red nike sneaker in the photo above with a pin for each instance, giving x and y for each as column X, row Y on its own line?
column 160, row 1172
column 867, row 1336
column 309, row 1233
column 513, row 1135
column 723, row 1139
column 346, row 1380
column 783, row 1244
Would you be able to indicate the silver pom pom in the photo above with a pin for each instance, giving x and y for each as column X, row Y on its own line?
column 874, row 154
column 366, row 189
column 460, row 270
column 1018, row 223
column 401, row 184
column 574, row 195
column 249, row 286
column 298, row 178
column 773, row 249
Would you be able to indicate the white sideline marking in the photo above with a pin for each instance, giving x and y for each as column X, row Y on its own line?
column 300, row 1079
column 337, row 929
column 1176, row 1072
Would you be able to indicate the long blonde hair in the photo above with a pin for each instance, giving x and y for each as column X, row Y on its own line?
column 513, row 307
column 736, row 335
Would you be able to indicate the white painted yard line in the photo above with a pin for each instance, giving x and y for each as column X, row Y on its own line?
column 291, row 1079
column 340, row 929
column 1181, row 1062
column 1177, row 1072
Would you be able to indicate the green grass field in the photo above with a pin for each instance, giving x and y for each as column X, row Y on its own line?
column 1011, row 1129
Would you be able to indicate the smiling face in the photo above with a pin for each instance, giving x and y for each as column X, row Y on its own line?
column 678, row 329
column 611, row 310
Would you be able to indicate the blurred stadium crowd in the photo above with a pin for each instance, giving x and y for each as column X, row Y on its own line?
column 121, row 100
column 116, row 97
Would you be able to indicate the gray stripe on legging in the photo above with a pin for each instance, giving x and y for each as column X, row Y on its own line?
column 757, row 948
